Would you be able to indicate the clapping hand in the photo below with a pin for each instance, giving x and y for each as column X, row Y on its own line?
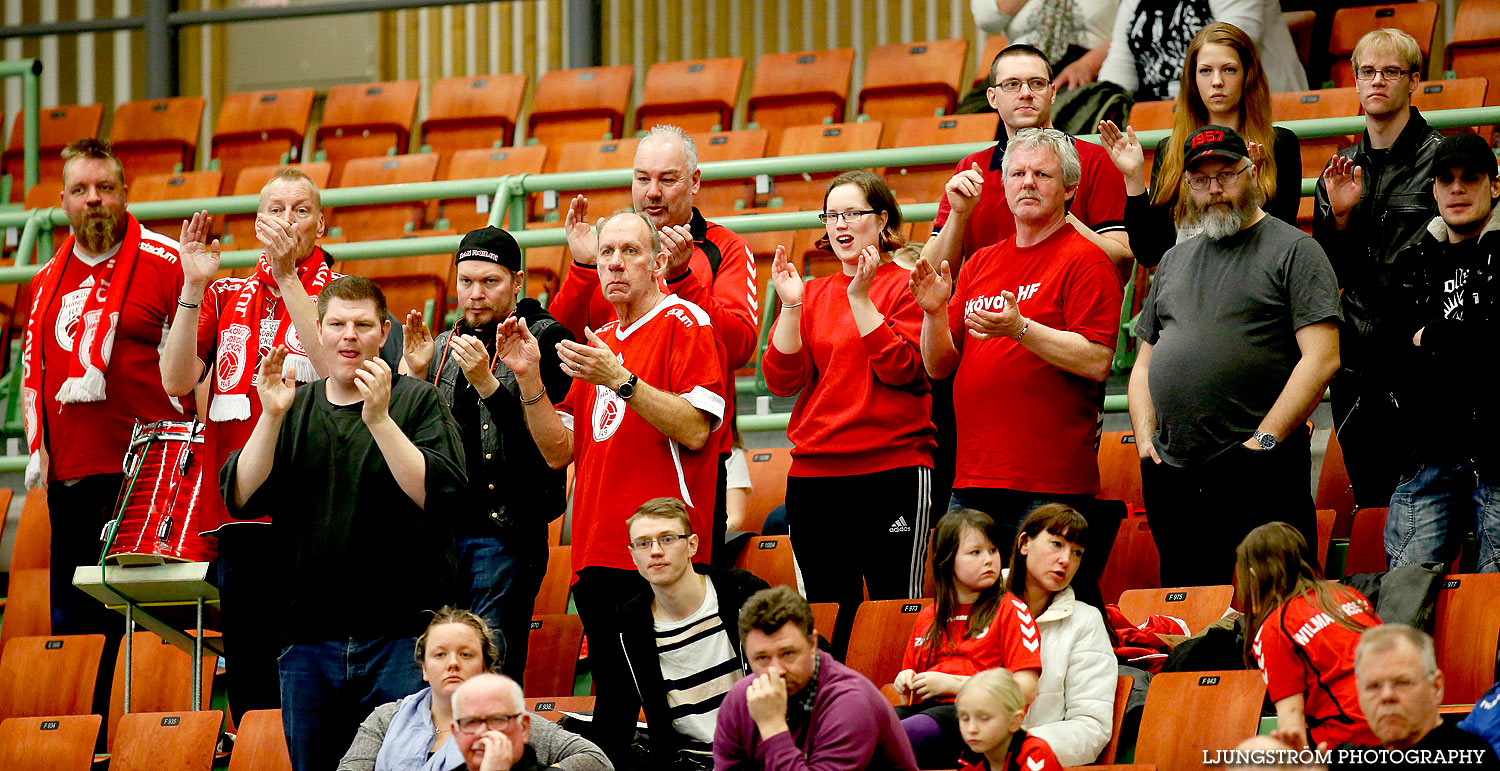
column 200, row 258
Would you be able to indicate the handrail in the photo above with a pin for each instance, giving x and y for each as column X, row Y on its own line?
column 28, row 71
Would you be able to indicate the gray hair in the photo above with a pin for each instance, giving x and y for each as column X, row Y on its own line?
column 650, row 226
column 490, row 680
column 1384, row 637
column 666, row 132
column 1051, row 139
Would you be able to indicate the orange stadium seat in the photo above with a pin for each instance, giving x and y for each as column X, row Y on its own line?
column 718, row 197
column 697, row 95
column 1146, row 116
column 463, row 214
column 361, row 120
column 260, row 744
column 1197, row 606
column 183, row 741
column 993, row 45
column 1122, row 700
column 174, row 187
column 1120, row 470
column 32, row 547
column 882, row 629
column 598, row 156
column 911, row 80
column 157, row 136
column 57, row 128
column 805, row 191
column 552, row 598
column 1189, row 712
column 1350, row 24
column 28, row 604
column 1334, row 489
column 1474, row 47
column 1466, row 633
column 477, row 113
column 924, row 184
column 239, row 229
column 770, row 558
column 825, row 615
column 814, row 261
column 1304, row 105
column 161, row 679
column 545, row 268
column 768, row 467
column 579, row 105
column 67, row 664
column 1367, row 543
column 378, row 222
column 553, row 707
column 1453, row 95
column 408, row 282
column 552, row 654
column 804, row 88
column 56, row 743
column 46, row 194
column 1133, row 561
column 259, row 128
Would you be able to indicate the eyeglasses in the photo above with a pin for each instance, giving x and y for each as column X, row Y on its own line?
column 1367, row 72
column 645, row 544
column 849, row 217
column 473, row 725
column 1012, row 85
column 1224, row 178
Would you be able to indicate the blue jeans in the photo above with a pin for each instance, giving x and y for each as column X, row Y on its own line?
column 502, row 577
column 1433, row 509
column 328, row 688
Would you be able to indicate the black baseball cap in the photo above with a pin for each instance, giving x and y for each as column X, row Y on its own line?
column 1464, row 151
column 491, row 244
column 1214, row 142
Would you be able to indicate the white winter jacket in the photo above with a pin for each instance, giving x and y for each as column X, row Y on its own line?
column 1074, row 707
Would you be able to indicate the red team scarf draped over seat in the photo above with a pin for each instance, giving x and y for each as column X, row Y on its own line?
column 239, row 337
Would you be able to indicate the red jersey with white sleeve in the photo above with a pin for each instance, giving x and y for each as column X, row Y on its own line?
column 1025, row 424
column 865, row 405
column 1027, row 753
column 1010, row 640
column 621, row 460
column 1301, row 649
column 91, row 437
column 1099, row 202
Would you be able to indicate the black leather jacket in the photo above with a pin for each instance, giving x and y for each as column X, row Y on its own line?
column 1392, row 214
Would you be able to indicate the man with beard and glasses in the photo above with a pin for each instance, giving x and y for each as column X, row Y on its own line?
column 512, row 494
column 1239, row 337
column 99, row 314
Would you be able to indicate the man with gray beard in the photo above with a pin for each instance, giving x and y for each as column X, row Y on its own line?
column 1239, row 337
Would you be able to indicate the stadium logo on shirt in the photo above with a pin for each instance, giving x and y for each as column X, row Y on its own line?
column 68, row 313
column 609, row 412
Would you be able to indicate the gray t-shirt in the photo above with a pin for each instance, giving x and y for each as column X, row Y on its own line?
column 1222, row 318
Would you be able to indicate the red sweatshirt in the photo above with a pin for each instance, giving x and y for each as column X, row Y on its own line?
column 865, row 404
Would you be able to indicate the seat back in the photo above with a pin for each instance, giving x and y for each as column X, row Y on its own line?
column 241, row 227
column 1466, row 633
column 1133, row 562
column 925, row 184
column 1304, row 105
column 260, row 744
column 1473, row 48
column 155, row 136
column 32, row 547
column 1122, row 700
column 805, row 191
column 697, row 95
column 407, row 282
column 182, row 741
column 174, row 187
column 161, row 680
column 552, row 654
column 882, row 629
column 825, row 619
column 579, row 105
column 599, row 156
column 803, row 88
column 1350, row 24
column 1197, row 606
column 553, row 707
column 57, row 128
column 472, row 113
column 768, row 467
column 911, row 80
column 718, row 197
column 1367, row 542
column 1334, row 489
column 463, row 214
column 1146, row 116
column 28, row 606
column 382, row 221
column 993, row 45
column 1451, row 95
column 56, row 743
column 552, row 598
column 67, row 664
column 1189, row 712
column 365, row 119
column 259, row 128
column 1120, row 470
column 770, row 557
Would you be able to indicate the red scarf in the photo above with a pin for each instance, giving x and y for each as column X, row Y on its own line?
column 93, row 337
column 239, row 330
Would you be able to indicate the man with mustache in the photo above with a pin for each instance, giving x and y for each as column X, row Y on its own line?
column 1239, row 337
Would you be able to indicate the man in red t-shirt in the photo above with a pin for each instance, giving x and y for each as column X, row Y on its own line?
column 708, row 265
column 99, row 312
column 648, row 393
column 1021, row 91
column 1030, row 333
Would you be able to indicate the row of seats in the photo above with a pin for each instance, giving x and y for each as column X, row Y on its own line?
column 148, row 741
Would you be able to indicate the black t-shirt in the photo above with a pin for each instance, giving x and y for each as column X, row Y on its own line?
column 1444, row 747
column 359, row 558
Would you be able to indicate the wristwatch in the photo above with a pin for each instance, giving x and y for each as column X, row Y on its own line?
column 1267, row 441
column 627, row 388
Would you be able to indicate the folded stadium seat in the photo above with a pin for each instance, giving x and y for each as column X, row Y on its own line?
column 553, row 707
column 825, row 614
column 993, row 45
column 882, row 629
column 545, row 268
column 259, row 128
column 156, row 136
column 1466, row 631
column 1133, row 562
column 239, row 229
column 51, row 743
column 552, row 653
column 57, row 128
column 1107, row 756
column 805, row 88
column 65, row 664
column 260, row 743
column 463, row 214
column 768, row 467
column 364, row 120
column 1457, row 94
column 408, row 282
column 719, row 197
column 465, row 113
column 382, row 221
column 597, row 156
column 1120, row 470
column 804, row 192
column 156, row 740
column 912, row 80
column 770, row 558
column 1473, row 49
column 1188, row 713
column 174, row 187
column 161, row 679
column 815, row 262
column 27, row 606
column 1197, row 606
column 925, row 184
column 1305, row 105
column 694, row 96
column 1146, row 116
column 1326, row 518
column 1367, row 542
column 1350, row 24
column 552, row 598
column 1334, row 489
column 32, row 547
column 579, row 105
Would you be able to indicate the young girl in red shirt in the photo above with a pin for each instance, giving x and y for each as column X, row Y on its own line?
column 990, row 709
column 986, row 627
column 1302, row 634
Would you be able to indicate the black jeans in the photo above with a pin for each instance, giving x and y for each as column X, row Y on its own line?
column 1199, row 514
column 79, row 512
column 253, row 600
column 1362, row 415
column 599, row 593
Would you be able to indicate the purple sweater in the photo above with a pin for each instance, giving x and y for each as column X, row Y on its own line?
column 852, row 727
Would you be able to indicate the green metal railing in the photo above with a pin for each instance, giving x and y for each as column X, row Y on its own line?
column 28, row 70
